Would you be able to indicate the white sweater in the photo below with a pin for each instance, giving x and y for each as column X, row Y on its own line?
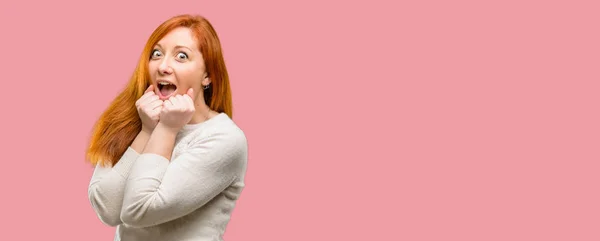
column 188, row 198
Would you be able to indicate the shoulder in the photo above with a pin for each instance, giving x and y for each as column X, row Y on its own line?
column 221, row 135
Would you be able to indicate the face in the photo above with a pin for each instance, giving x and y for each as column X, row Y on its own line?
column 176, row 65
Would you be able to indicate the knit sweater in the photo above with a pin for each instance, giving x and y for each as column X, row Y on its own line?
column 191, row 197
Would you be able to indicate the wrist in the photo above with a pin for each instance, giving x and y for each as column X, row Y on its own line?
column 162, row 141
column 140, row 140
column 146, row 130
column 160, row 127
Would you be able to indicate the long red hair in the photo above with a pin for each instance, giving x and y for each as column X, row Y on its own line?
column 120, row 123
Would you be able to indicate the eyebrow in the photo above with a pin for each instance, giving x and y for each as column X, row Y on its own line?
column 177, row 46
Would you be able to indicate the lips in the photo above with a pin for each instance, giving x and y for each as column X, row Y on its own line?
column 165, row 89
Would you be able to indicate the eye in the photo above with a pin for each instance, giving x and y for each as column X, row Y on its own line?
column 182, row 55
column 155, row 53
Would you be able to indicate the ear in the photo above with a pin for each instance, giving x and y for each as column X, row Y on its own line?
column 206, row 81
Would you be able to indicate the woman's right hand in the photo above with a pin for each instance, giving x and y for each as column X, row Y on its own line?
column 149, row 107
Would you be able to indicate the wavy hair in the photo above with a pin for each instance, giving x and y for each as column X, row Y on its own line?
column 120, row 123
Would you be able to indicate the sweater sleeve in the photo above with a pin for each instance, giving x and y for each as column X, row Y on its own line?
column 106, row 187
column 159, row 191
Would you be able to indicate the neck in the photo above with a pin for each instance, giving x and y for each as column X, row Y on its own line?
column 203, row 113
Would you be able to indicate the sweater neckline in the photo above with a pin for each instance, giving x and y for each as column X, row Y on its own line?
column 215, row 118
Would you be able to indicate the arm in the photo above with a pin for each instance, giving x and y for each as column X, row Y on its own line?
column 107, row 184
column 159, row 191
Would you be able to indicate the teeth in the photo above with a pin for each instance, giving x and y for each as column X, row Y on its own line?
column 164, row 83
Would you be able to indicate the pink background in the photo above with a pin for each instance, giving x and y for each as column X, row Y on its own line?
column 371, row 120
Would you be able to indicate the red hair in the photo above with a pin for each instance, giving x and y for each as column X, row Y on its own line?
column 120, row 123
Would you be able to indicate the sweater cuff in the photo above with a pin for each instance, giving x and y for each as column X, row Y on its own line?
column 124, row 165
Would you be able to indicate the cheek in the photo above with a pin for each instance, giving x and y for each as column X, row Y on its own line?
column 189, row 78
column 152, row 68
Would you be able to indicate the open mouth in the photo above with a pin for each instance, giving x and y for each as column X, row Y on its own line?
column 166, row 89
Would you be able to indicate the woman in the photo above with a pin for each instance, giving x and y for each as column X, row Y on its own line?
column 169, row 161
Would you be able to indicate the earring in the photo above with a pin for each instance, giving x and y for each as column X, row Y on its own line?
column 206, row 86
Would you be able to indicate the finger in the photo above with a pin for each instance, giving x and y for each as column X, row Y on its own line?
column 141, row 99
column 155, row 104
column 167, row 104
column 184, row 102
column 175, row 101
column 149, row 89
column 151, row 98
column 147, row 93
column 189, row 101
column 181, row 99
column 147, row 100
column 145, row 97
column 155, row 113
column 190, row 93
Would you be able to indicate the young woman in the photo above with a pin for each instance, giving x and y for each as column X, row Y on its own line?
column 169, row 161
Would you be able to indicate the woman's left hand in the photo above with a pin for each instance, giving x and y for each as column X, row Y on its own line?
column 177, row 111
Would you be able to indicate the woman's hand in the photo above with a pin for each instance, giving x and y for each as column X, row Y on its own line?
column 177, row 111
column 149, row 107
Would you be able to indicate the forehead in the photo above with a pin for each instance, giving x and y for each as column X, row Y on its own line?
column 179, row 36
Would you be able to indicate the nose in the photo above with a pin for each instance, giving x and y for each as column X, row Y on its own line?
column 165, row 67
